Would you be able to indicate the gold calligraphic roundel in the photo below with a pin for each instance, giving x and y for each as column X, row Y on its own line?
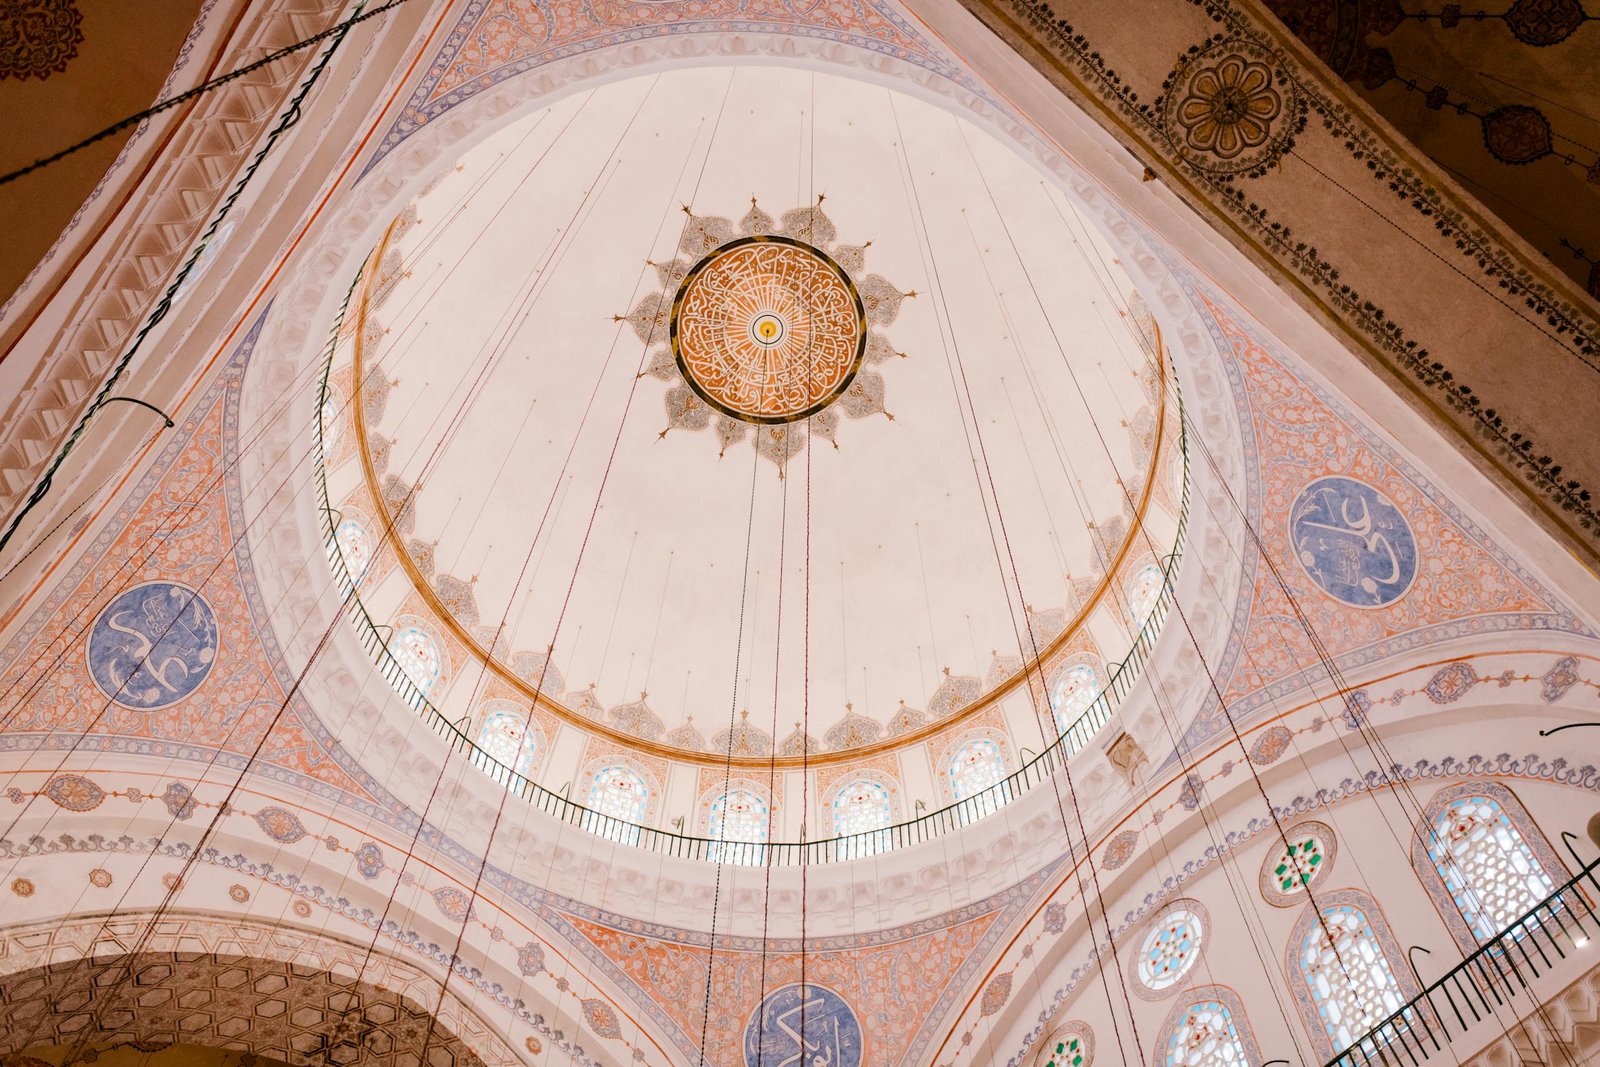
column 767, row 329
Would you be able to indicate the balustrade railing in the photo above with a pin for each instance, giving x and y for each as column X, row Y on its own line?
column 781, row 853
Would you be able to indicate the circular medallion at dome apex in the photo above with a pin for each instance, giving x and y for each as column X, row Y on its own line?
column 768, row 329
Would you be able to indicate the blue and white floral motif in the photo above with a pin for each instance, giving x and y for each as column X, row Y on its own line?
column 831, row 1033
column 1353, row 542
column 153, row 646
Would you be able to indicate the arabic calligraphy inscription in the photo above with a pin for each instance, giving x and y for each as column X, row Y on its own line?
column 830, row 1035
column 153, row 646
column 1353, row 542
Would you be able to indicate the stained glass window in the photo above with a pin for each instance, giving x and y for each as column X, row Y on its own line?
column 1491, row 873
column 506, row 739
column 860, row 807
column 1351, row 983
column 1074, row 690
column 739, row 822
column 1068, row 1049
column 329, row 414
column 355, row 546
column 1207, row 1035
column 975, row 767
column 1297, row 863
column 1170, row 948
column 417, row 656
column 1144, row 589
column 618, row 800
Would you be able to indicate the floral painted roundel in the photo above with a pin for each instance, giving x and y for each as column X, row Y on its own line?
column 768, row 329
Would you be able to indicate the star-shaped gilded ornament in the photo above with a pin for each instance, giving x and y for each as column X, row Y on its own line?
column 767, row 329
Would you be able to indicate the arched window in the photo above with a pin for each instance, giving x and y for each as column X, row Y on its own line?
column 329, row 414
column 1144, row 589
column 1347, row 980
column 618, row 801
column 1073, row 691
column 506, row 739
column 1490, row 870
column 355, row 547
column 417, row 656
column 859, row 807
column 976, row 768
column 1170, row 947
column 1208, row 1030
column 739, row 820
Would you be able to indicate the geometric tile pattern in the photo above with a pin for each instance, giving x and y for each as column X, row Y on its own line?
column 273, row 992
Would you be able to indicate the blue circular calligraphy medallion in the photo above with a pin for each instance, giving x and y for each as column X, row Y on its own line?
column 1353, row 542
column 153, row 646
column 830, row 1036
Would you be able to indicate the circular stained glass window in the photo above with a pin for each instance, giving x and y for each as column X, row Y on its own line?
column 1170, row 949
column 1069, row 1048
column 1306, row 851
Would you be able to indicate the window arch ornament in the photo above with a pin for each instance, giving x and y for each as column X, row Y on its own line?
column 1304, row 861
column 1144, row 590
column 510, row 737
column 1345, row 988
column 1169, row 947
column 975, row 775
column 1207, row 1029
column 859, row 806
column 1483, row 860
column 739, row 822
column 1070, row 1045
column 355, row 546
column 620, row 797
column 418, row 657
column 1074, row 687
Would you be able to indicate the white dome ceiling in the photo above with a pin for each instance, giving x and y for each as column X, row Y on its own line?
column 525, row 407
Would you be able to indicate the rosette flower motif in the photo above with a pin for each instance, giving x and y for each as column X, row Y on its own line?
column 1229, row 107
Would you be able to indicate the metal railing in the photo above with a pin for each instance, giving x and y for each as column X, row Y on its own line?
column 781, row 853
column 1486, row 981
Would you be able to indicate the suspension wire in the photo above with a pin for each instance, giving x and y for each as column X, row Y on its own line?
column 337, row 30
column 813, row 201
column 290, row 118
column 1231, row 873
column 772, row 763
column 978, row 457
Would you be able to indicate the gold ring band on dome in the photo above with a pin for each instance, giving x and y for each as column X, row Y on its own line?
column 768, row 330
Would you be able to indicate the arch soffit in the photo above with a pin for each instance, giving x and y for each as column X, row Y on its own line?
column 283, row 992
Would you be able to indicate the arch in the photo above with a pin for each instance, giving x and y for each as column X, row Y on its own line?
column 621, row 797
column 974, row 773
column 1168, row 947
column 57, row 974
column 857, row 806
column 1346, row 987
column 1074, row 687
column 510, row 737
column 1483, row 860
column 1209, row 1028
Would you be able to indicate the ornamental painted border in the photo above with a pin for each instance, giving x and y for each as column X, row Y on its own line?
column 1059, row 38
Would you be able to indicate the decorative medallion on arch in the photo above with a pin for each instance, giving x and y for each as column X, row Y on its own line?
column 1229, row 110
